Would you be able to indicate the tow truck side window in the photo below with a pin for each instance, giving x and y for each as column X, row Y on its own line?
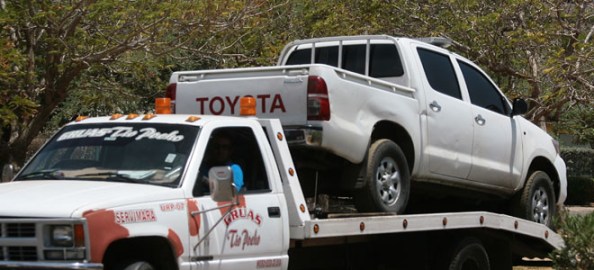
column 234, row 146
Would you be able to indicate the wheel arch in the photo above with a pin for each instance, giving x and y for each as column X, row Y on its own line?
column 397, row 134
column 156, row 250
column 543, row 164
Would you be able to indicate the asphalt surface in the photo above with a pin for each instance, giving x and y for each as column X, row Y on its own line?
column 580, row 210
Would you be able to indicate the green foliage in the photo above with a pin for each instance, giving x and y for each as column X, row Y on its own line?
column 63, row 58
column 580, row 190
column 579, row 121
column 579, row 161
column 578, row 253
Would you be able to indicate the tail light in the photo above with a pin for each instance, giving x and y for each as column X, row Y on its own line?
column 318, row 104
column 170, row 92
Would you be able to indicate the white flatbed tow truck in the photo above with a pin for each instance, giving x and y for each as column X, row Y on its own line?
column 126, row 192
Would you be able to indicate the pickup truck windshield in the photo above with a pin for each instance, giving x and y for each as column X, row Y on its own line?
column 133, row 153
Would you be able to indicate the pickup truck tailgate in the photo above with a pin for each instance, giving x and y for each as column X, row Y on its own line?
column 280, row 92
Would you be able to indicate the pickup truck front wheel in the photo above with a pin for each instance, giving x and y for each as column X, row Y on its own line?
column 536, row 202
column 387, row 180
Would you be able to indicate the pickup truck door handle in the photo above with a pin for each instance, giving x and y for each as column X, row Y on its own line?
column 435, row 106
column 274, row 212
column 480, row 120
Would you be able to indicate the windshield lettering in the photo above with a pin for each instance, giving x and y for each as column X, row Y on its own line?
column 122, row 132
column 151, row 133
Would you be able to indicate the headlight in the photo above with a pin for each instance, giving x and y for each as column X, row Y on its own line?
column 62, row 236
column 64, row 242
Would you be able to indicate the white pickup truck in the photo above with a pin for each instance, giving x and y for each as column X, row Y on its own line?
column 365, row 115
column 126, row 192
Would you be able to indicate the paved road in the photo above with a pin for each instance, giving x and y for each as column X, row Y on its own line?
column 580, row 210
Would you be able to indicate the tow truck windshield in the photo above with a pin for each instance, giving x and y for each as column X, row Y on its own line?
column 132, row 153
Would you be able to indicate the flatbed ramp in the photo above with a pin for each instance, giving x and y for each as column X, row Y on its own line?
column 352, row 226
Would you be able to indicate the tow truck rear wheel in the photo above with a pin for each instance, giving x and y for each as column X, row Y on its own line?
column 138, row 265
column 387, row 180
column 536, row 202
column 469, row 255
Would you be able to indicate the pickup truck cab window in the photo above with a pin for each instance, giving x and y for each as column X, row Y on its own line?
column 440, row 72
column 481, row 90
column 384, row 60
column 134, row 153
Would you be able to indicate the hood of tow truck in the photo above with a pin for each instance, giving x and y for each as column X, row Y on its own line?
column 70, row 198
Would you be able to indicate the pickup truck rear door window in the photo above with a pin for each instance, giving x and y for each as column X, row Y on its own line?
column 440, row 72
column 482, row 92
column 385, row 61
column 353, row 58
column 299, row 57
column 324, row 55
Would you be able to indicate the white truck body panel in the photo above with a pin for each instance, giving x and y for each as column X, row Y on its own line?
column 68, row 197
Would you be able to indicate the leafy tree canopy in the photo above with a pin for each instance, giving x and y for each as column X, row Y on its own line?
column 62, row 58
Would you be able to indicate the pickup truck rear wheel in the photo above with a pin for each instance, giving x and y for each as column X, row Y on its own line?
column 387, row 179
column 536, row 202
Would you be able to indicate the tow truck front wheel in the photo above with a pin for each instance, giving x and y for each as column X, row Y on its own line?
column 537, row 201
column 387, row 180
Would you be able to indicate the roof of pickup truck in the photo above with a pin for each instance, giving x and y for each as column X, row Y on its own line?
column 185, row 119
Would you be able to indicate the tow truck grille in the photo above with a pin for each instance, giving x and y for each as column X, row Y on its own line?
column 17, row 242
column 19, row 254
column 20, row 230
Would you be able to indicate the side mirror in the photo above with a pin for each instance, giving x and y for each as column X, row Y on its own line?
column 7, row 173
column 519, row 107
column 220, row 181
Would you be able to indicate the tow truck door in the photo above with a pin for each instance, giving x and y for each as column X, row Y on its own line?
column 249, row 235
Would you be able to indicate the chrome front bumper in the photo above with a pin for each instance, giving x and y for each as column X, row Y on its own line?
column 49, row 265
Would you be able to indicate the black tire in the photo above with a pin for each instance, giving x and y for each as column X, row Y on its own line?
column 536, row 202
column 386, row 185
column 470, row 255
column 137, row 265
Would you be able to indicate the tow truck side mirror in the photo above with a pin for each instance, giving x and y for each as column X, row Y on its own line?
column 519, row 107
column 7, row 173
column 220, row 181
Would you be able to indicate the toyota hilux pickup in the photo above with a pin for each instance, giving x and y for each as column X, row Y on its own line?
column 372, row 116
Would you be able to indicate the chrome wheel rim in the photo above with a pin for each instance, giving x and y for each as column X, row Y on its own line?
column 388, row 181
column 540, row 206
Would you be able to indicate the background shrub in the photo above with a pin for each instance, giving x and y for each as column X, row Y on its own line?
column 579, row 161
column 580, row 190
column 578, row 232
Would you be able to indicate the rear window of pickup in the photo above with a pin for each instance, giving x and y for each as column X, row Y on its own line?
column 384, row 59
